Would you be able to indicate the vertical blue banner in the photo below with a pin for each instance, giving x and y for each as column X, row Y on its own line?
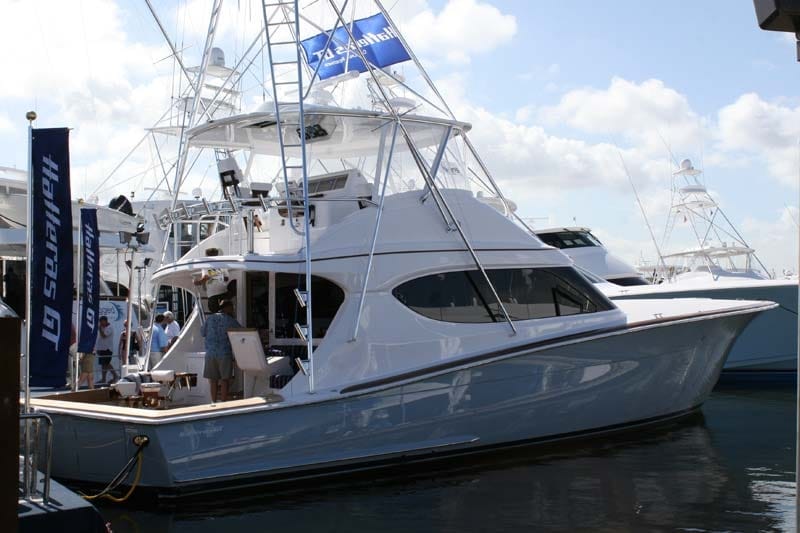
column 90, row 282
column 50, row 257
column 374, row 36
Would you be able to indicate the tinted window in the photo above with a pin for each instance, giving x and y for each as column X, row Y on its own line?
column 526, row 293
column 629, row 281
column 569, row 239
column 451, row 296
column 326, row 296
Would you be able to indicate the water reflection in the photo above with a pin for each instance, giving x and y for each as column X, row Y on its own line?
column 730, row 468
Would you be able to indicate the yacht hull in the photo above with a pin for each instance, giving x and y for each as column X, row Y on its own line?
column 595, row 382
column 768, row 343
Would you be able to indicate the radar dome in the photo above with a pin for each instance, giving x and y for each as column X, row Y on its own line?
column 217, row 58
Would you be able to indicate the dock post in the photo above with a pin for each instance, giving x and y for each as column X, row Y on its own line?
column 10, row 331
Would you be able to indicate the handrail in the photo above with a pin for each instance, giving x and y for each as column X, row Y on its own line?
column 186, row 212
column 30, row 489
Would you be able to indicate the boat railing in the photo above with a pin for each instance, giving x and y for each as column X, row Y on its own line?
column 235, row 206
column 187, row 232
column 227, row 213
column 31, row 444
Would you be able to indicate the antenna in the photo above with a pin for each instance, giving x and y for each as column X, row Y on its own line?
column 644, row 214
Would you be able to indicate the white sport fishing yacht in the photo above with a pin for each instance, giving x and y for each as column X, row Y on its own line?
column 721, row 265
column 390, row 314
column 588, row 252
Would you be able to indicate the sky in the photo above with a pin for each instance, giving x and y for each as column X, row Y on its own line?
column 559, row 94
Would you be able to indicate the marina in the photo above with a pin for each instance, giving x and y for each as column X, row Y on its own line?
column 320, row 294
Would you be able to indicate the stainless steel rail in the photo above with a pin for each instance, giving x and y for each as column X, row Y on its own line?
column 30, row 462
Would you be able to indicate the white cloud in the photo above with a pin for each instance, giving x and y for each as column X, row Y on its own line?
column 768, row 131
column 525, row 113
column 194, row 17
column 462, row 28
column 5, row 124
column 648, row 114
column 526, row 157
column 775, row 240
column 54, row 47
column 650, row 117
column 87, row 68
column 628, row 247
column 536, row 168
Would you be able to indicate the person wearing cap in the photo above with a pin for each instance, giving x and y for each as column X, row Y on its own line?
column 213, row 282
column 218, row 368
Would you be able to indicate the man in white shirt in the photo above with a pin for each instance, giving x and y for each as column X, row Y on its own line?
column 171, row 328
column 104, row 348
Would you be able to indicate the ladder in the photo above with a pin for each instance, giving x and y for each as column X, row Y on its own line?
column 282, row 30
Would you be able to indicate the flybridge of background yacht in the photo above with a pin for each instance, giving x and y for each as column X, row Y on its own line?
column 391, row 314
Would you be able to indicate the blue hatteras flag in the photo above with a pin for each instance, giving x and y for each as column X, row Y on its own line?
column 50, row 321
column 374, row 36
column 90, row 281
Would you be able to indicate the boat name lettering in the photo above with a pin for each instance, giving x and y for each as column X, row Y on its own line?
column 190, row 431
column 367, row 39
column 52, row 318
column 89, row 238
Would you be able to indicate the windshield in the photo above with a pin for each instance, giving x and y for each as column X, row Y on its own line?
column 570, row 239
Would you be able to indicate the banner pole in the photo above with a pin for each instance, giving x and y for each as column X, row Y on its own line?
column 26, row 471
column 78, row 315
column 30, row 116
column 126, row 350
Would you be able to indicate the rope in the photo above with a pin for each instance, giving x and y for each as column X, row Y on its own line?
column 137, row 460
column 133, row 485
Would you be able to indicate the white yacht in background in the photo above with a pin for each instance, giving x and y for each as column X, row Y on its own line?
column 589, row 253
column 404, row 319
column 13, row 249
column 14, row 212
column 110, row 221
column 721, row 265
column 13, row 181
